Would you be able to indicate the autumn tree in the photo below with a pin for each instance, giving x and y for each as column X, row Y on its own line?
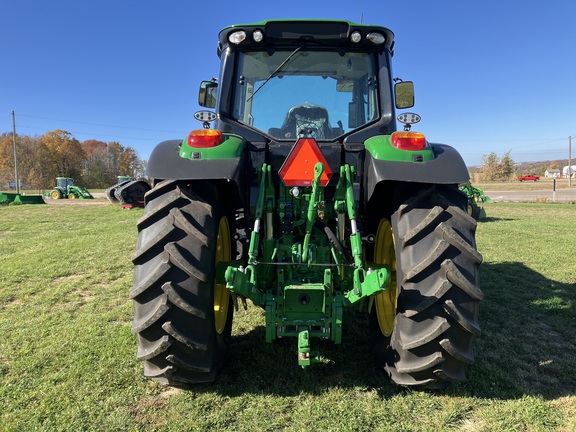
column 127, row 161
column 97, row 171
column 31, row 155
column 6, row 160
column 33, row 172
column 495, row 169
column 140, row 168
column 114, row 151
column 65, row 154
column 106, row 161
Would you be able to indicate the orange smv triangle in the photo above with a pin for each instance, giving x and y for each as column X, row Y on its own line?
column 298, row 168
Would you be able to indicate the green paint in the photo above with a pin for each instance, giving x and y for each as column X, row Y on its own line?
column 232, row 147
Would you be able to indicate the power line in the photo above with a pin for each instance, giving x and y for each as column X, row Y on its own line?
column 98, row 134
column 95, row 124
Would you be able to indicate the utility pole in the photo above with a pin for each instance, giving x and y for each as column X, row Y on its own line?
column 15, row 154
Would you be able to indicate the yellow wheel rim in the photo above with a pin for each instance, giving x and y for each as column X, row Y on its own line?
column 72, row 196
column 54, row 195
column 385, row 302
column 221, row 293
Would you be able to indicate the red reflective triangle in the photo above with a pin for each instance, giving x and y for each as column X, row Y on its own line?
column 298, row 168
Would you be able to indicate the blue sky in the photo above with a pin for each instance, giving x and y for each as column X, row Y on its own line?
column 490, row 76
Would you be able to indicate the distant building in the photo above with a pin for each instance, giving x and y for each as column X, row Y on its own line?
column 12, row 185
column 552, row 173
column 569, row 172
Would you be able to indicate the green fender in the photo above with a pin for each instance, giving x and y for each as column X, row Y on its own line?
column 173, row 159
column 439, row 164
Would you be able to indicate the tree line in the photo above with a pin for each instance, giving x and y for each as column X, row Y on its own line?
column 502, row 169
column 91, row 163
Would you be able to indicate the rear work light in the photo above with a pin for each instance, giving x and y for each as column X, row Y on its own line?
column 413, row 141
column 204, row 138
column 356, row 37
column 376, row 38
column 257, row 36
column 237, row 37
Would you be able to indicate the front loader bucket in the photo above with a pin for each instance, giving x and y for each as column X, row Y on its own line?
column 8, row 197
column 84, row 194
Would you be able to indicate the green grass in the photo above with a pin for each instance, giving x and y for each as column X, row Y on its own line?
column 67, row 356
column 513, row 185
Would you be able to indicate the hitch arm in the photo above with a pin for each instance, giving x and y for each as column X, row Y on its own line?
column 312, row 208
column 367, row 284
column 255, row 236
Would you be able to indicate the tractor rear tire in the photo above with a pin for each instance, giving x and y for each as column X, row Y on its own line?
column 182, row 317
column 438, row 294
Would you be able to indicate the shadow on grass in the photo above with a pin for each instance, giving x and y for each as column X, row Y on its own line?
column 263, row 368
column 527, row 347
column 494, row 219
column 528, row 341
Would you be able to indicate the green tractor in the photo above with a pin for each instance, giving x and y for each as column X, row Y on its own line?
column 475, row 195
column 305, row 198
column 65, row 188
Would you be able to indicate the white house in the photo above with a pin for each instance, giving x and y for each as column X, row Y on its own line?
column 572, row 171
column 552, row 173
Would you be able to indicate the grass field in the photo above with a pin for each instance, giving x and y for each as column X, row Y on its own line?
column 67, row 356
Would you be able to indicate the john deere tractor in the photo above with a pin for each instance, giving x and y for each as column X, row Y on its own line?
column 127, row 191
column 301, row 194
column 65, row 188
column 474, row 195
column 111, row 191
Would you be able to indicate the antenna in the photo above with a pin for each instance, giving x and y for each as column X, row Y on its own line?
column 361, row 17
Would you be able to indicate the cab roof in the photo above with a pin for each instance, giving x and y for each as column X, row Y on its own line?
column 290, row 32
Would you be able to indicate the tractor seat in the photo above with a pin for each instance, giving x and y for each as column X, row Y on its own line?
column 307, row 120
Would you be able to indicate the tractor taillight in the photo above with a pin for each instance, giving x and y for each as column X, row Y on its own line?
column 413, row 141
column 204, row 138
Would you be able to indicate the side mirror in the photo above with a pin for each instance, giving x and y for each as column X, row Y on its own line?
column 207, row 94
column 404, row 94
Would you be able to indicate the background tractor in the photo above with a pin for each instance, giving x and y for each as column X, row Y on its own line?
column 111, row 191
column 65, row 188
column 475, row 195
column 305, row 198
column 128, row 191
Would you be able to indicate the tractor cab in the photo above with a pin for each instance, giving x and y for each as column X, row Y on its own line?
column 63, row 183
column 286, row 80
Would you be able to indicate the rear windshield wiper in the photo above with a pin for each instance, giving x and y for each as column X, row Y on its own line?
column 278, row 69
